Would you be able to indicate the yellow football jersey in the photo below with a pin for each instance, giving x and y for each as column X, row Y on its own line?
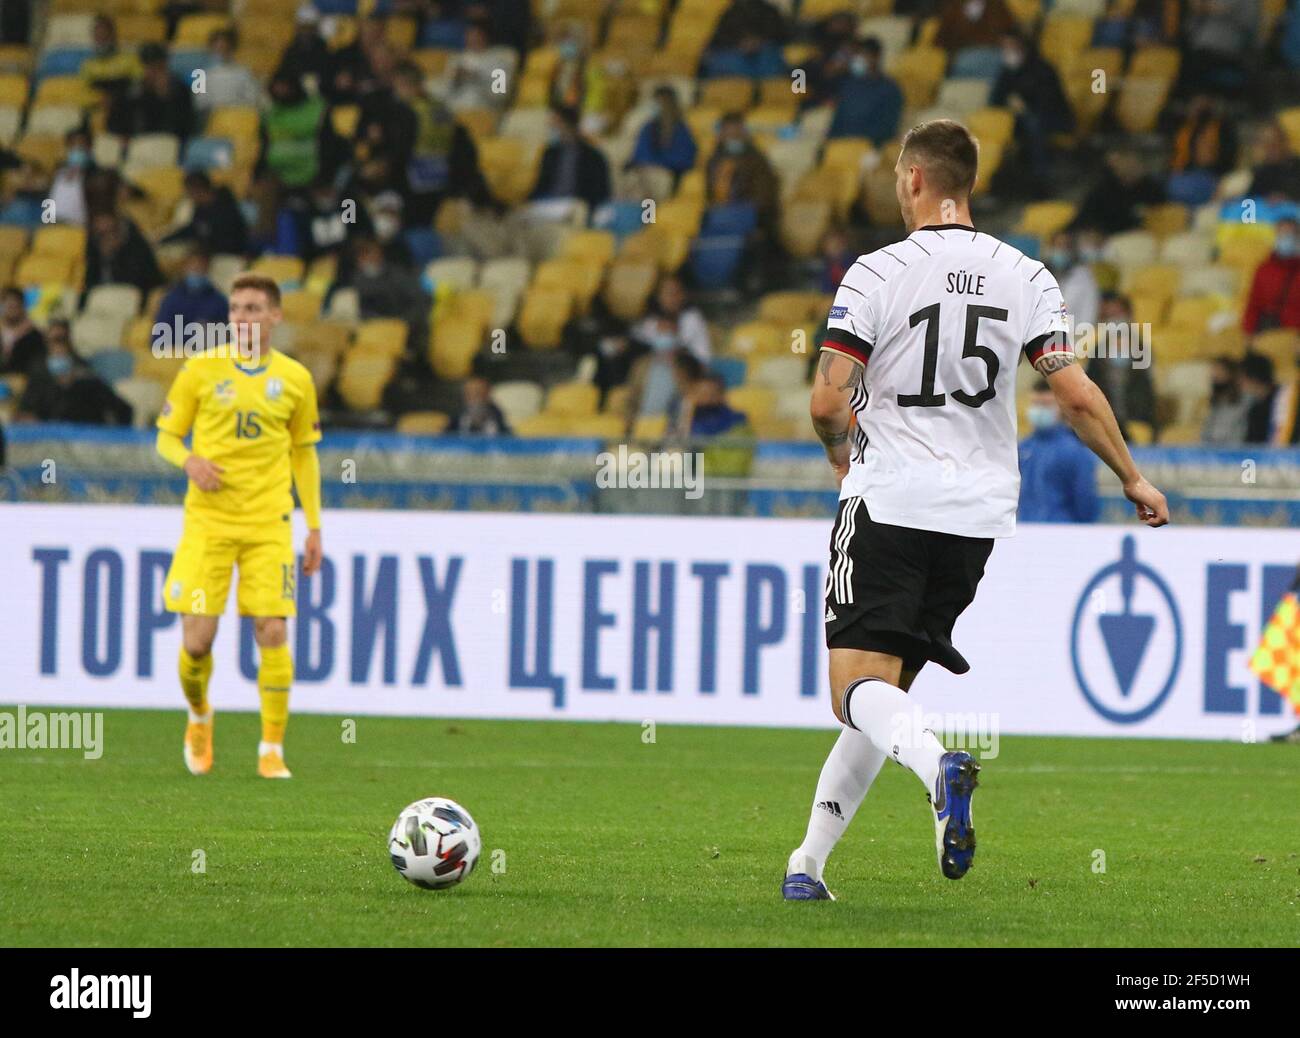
column 247, row 420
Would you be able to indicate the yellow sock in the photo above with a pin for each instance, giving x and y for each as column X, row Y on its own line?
column 194, row 680
column 274, row 676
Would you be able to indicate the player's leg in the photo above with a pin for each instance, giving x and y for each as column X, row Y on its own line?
column 267, row 572
column 196, row 587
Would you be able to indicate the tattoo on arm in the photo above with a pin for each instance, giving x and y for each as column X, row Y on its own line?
column 851, row 381
column 833, row 439
column 1050, row 363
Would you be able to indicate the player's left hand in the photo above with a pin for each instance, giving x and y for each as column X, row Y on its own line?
column 312, row 553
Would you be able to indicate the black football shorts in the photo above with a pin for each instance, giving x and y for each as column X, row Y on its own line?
column 896, row 590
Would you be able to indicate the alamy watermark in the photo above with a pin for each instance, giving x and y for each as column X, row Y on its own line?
column 58, row 730
column 627, row 469
column 185, row 339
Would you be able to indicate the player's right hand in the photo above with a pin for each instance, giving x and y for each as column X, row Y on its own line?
column 205, row 474
column 1152, row 508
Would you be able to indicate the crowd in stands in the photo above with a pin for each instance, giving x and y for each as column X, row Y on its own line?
column 607, row 218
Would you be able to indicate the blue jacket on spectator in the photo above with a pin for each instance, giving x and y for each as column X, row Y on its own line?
column 678, row 157
column 199, row 304
column 1058, row 478
column 867, row 106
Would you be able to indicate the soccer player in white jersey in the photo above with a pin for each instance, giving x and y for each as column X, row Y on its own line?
column 914, row 399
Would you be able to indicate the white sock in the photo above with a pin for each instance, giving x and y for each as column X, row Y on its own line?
column 200, row 718
column 851, row 767
column 891, row 719
column 263, row 748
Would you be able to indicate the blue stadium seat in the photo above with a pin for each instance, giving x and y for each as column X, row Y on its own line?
column 1026, row 243
column 732, row 370
column 425, row 245
column 66, row 61
column 443, row 33
column 737, row 218
column 1111, row 32
column 113, row 365
column 715, row 260
column 619, row 218
column 976, row 63
column 21, row 212
column 207, row 153
column 182, row 63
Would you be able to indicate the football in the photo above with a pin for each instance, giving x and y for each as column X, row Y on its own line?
column 434, row 843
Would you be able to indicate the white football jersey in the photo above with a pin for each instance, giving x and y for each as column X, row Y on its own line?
column 940, row 321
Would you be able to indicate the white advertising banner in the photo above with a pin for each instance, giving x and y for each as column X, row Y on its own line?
column 1086, row 630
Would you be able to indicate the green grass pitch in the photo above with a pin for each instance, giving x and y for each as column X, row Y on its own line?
column 600, row 838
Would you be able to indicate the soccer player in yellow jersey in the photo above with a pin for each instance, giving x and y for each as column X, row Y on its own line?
column 253, row 414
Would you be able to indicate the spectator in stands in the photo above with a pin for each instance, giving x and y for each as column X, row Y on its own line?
column 1078, row 282
column 1275, row 175
column 837, row 257
column 665, row 386
column 1206, row 141
column 973, row 23
column 1117, row 365
column 68, row 188
column 1274, row 300
column 478, row 414
column 511, row 21
column 480, row 76
column 753, row 57
column 706, row 413
column 228, row 84
column 351, row 73
column 216, row 222
column 308, row 55
column 1058, row 474
column 1220, row 35
column 118, row 254
column 1261, row 392
column 1030, row 87
column 194, row 299
column 616, row 356
column 296, row 133
column 389, row 289
column 157, row 103
column 1092, row 252
column 744, row 18
column 867, row 102
column 325, row 226
column 836, row 40
column 1226, row 421
column 22, row 345
column 739, row 172
column 673, row 322
column 571, row 166
column 665, row 140
column 1115, row 201
column 26, row 204
column 109, row 68
column 440, row 160
column 578, row 81
column 65, row 389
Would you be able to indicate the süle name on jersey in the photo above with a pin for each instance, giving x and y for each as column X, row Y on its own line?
column 965, row 284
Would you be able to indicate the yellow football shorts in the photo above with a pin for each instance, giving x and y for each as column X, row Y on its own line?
column 199, row 579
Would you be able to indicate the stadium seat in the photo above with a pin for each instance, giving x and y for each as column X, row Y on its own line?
column 152, row 149
column 754, row 401
column 782, row 373
column 542, row 426
column 145, row 395
column 518, row 400
column 121, row 301
column 977, row 63
column 628, row 287
column 55, row 120
column 326, row 337
column 543, row 316
column 1044, row 219
column 422, row 423
column 113, row 365
column 963, row 96
column 1131, row 249
column 1190, row 248
column 300, row 307
column 64, row 90
column 385, row 337
column 92, row 333
column 572, row 400
column 454, row 344
column 362, row 379
column 598, row 426
column 287, row 270
column 758, row 337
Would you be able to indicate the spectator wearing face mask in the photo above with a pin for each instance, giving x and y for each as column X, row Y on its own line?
column 194, row 299
column 1274, row 300
column 479, row 415
column 1058, row 475
column 672, row 327
column 65, row 389
column 388, row 289
column 68, row 188
column 973, row 23
column 867, row 102
column 1030, row 87
column 1225, row 422
column 1078, row 282
column 739, row 172
column 474, row 75
column 22, row 346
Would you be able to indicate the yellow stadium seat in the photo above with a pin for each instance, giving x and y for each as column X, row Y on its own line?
column 36, row 269
column 594, row 247
column 300, row 307
column 803, row 224
column 422, row 423
column 1193, row 314
column 599, row 427
column 286, row 270
column 1166, row 219
column 13, row 241
column 919, row 71
column 13, row 90
column 542, row 426
column 237, row 124
column 572, row 400
column 327, row 337
column 383, row 336
column 582, row 279
column 650, row 427
column 1140, row 103
column 758, row 337
column 1064, row 35
column 1160, row 280
column 628, row 287
column 362, row 379
column 344, row 119
column 1279, row 344
column 1290, row 120
column 455, row 343
column 542, row 317
column 756, row 402
column 193, row 30
column 1159, row 63
column 1045, row 218
column 60, row 240
column 64, row 90
column 135, row 29
column 992, row 126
